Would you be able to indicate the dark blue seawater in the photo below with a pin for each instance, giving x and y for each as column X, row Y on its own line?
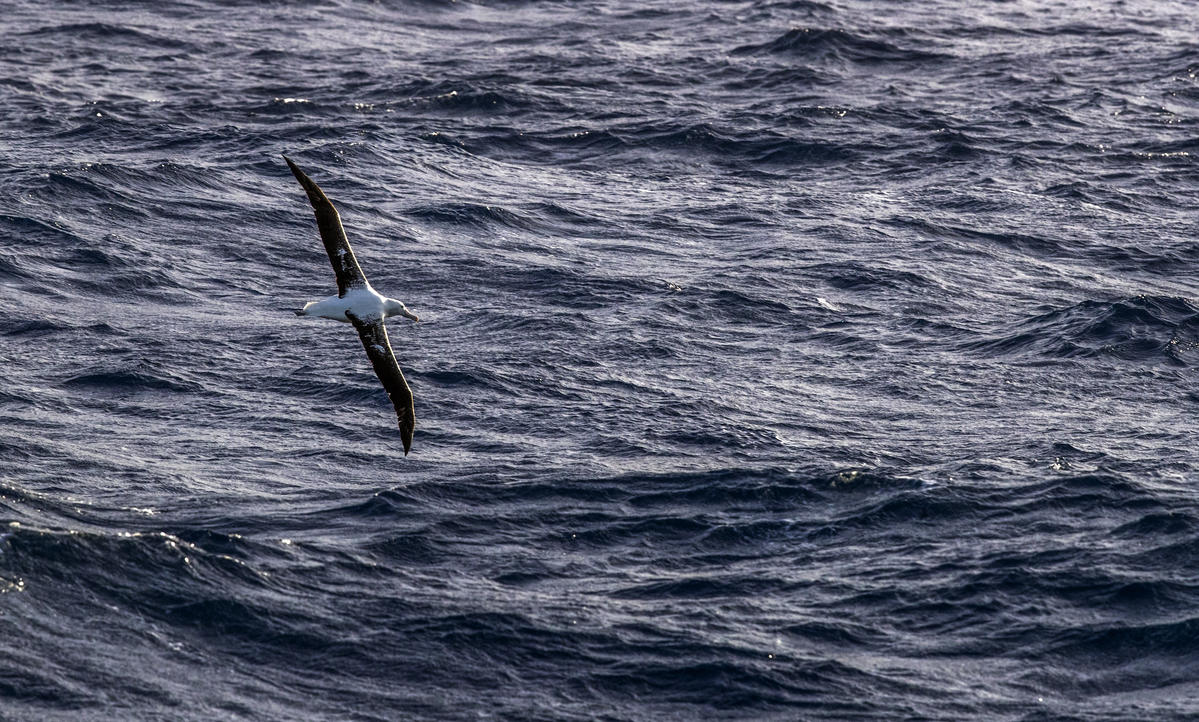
column 778, row 360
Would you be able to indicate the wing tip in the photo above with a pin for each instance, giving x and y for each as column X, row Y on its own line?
column 295, row 170
column 406, row 436
column 315, row 195
column 407, row 423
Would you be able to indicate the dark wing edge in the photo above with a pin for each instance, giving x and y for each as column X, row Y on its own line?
column 374, row 339
column 345, row 265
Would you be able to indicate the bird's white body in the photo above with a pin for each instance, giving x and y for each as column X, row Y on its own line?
column 364, row 302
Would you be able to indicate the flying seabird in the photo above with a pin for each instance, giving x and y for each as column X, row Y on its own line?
column 357, row 303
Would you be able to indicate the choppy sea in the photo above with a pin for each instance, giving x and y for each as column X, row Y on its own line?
column 777, row 360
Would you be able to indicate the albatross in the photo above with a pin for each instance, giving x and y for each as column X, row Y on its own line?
column 357, row 303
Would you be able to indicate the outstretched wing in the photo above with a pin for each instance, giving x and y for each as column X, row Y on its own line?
column 349, row 275
column 374, row 338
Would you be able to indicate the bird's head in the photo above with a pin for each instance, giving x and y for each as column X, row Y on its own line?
column 393, row 307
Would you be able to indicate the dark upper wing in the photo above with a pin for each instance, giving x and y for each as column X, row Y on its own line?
column 374, row 338
column 349, row 275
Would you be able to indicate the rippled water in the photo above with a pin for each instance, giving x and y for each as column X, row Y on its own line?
column 793, row 360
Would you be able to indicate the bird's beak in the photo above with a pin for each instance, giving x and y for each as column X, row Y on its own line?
column 410, row 315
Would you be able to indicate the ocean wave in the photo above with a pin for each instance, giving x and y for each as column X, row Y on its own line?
column 37, row 232
column 764, row 148
column 107, row 33
column 821, row 44
column 856, row 276
column 1148, row 329
column 471, row 215
column 143, row 378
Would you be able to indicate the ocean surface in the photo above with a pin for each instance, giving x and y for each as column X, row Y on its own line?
column 777, row 360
